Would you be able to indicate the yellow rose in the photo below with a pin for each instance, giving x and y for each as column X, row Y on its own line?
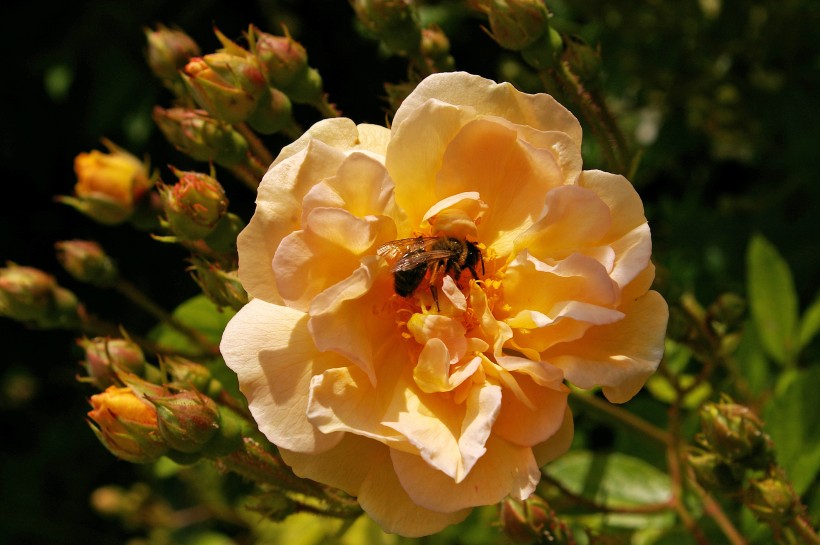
column 108, row 184
column 126, row 425
column 452, row 397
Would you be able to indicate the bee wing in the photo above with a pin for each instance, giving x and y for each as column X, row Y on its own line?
column 416, row 258
column 395, row 249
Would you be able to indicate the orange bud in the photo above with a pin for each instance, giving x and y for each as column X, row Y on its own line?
column 126, row 425
column 227, row 86
column 108, row 184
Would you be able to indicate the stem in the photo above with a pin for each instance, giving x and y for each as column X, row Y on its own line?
column 804, row 530
column 147, row 304
column 326, row 108
column 624, row 417
column 256, row 146
column 592, row 504
column 244, row 174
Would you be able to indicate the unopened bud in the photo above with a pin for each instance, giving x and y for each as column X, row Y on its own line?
column 109, row 185
column 187, row 420
column 222, row 239
column 105, row 358
column 517, row 24
column 227, row 86
column 31, row 296
column 436, row 47
column 583, row 60
column 86, row 261
column 772, row 500
column 126, row 425
column 714, row 473
column 273, row 113
column 285, row 64
column 194, row 205
column 524, row 521
column 168, row 51
column 223, row 288
column 201, row 137
column 728, row 309
column 190, row 374
column 393, row 22
column 734, row 432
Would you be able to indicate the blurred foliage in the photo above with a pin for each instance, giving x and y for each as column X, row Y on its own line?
column 718, row 96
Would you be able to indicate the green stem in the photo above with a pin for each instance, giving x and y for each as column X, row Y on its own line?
column 256, row 146
column 804, row 530
column 244, row 174
column 625, row 417
column 148, row 305
column 326, row 108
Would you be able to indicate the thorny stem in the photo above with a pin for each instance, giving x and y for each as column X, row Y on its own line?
column 804, row 530
column 147, row 304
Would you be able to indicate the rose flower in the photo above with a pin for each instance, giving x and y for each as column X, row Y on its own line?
column 421, row 293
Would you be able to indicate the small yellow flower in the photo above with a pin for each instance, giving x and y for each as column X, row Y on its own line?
column 443, row 390
column 126, row 425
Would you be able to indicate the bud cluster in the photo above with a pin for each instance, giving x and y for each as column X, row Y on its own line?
column 736, row 458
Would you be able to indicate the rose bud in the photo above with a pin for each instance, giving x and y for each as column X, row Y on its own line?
column 436, row 47
column 201, row 137
column 194, row 205
column 187, row 420
column 734, row 432
column 187, row 373
column 393, row 22
column 31, row 296
column 524, row 521
column 222, row 287
column 516, row 24
column 227, row 86
column 126, row 425
column 771, row 500
column 105, row 357
column 714, row 473
column 168, row 51
column 284, row 61
column 109, row 185
column 86, row 261
column 273, row 113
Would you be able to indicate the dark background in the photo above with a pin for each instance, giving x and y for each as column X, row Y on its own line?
column 736, row 153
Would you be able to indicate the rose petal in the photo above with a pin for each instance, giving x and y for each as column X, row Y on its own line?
column 558, row 443
column 505, row 469
column 271, row 351
column 626, row 208
column 619, row 356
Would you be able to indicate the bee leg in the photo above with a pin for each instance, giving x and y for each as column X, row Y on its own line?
column 435, row 273
column 434, row 293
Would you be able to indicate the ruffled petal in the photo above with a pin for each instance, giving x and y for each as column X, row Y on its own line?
column 619, row 356
column 269, row 348
column 558, row 443
column 505, row 469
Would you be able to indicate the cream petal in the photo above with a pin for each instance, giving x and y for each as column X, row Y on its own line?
column 487, row 97
column 345, row 317
column 558, row 443
column 361, row 186
column 448, row 330
column 340, row 133
column 510, row 175
column 278, row 213
column 632, row 252
column 621, row 198
column 505, row 469
column 619, row 356
column 344, row 400
column 383, row 498
column 269, row 348
column 576, row 219
column 528, row 424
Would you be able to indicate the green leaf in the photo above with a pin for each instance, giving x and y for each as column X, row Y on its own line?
column 772, row 299
column 810, row 324
column 615, row 480
column 793, row 422
column 197, row 313
column 753, row 363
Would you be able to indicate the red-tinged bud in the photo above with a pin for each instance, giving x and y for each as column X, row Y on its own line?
column 228, row 86
column 228, row 438
column 532, row 521
column 31, row 296
column 194, row 205
column 222, row 287
column 86, row 261
column 126, row 425
column 393, row 22
column 436, row 47
column 168, row 51
column 734, row 432
column 187, row 420
column 772, row 500
column 189, row 374
column 105, row 358
column 109, row 185
column 273, row 113
column 285, row 64
column 201, row 137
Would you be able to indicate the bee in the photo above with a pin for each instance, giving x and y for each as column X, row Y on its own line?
column 415, row 257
